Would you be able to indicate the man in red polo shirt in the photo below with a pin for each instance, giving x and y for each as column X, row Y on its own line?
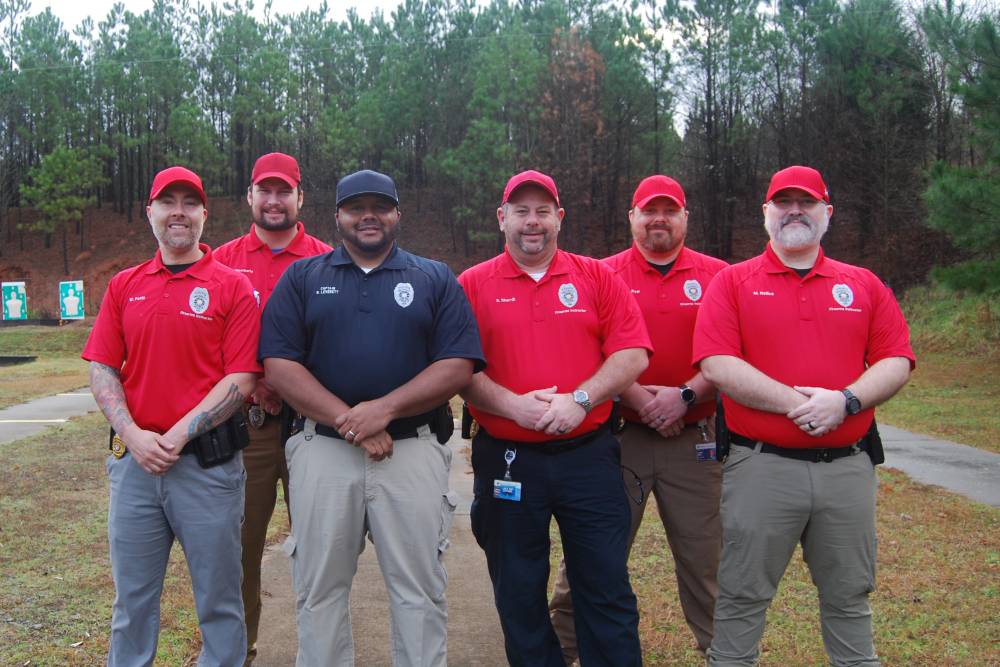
column 803, row 348
column 275, row 240
column 173, row 356
column 562, row 336
column 668, row 439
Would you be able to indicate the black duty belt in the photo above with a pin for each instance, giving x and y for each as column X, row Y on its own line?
column 554, row 446
column 401, row 432
column 817, row 455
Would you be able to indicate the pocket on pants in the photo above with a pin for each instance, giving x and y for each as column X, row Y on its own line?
column 449, row 501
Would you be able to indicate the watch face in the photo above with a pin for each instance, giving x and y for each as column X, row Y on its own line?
column 854, row 405
column 580, row 396
column 687, row 395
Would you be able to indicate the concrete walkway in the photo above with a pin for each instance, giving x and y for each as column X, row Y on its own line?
column 474, row 635
column 20, row 421
column 971, row 472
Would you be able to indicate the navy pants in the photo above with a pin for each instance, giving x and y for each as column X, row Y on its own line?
column 582, row 488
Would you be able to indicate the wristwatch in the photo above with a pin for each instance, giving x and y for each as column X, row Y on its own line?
column 582, row 399
column 687, row 394
column 853, row 402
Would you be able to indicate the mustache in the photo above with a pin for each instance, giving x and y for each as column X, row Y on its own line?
column 789, row 219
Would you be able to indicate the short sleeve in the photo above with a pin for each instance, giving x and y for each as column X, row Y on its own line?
column 455, row 332
column 106, row 343
column 242, row 330
column 717, row 327
column 621, row 322
column 889, row 335
column 283, row 329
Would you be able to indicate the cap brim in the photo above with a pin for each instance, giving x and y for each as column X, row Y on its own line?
column 186, row 181
column 539, row 184
column 645, row 200
column 800, row 188
column 276, row 174
column 355, row 195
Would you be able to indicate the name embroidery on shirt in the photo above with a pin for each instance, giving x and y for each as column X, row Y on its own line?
column 327, row 289
column 762, row 293
column 505, row 299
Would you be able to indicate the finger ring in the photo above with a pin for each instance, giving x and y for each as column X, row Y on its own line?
column 561, row 430
column 351, row 434
column 810, row 426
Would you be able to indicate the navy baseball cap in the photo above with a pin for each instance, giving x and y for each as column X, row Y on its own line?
column 366, row 182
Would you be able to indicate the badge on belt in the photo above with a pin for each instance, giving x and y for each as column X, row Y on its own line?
column 118, row 446
column 506, row 488
column 256, row 416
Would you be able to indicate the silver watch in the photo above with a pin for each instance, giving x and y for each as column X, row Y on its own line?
column 582, row 399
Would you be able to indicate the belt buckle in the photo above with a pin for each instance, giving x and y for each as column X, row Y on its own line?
column 118, row 446
column 256, row 416
column 824, row 455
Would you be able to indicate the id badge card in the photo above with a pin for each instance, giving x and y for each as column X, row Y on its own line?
column 505, row 489
column 704, row 451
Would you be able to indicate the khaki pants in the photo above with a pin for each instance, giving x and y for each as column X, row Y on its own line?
column 769, row 505
column 405, row 507
column 264, row 460
column 687, row 495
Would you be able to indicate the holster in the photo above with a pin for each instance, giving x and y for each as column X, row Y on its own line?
column 874, row 440
column 467, row 421
column 443, row 423
column 220, row 445
column 722, row 440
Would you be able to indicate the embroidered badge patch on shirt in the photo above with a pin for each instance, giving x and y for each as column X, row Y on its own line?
column 692, row 289
column 404, row 294
column 568, row 295
column 198, row 300
column 843, row 294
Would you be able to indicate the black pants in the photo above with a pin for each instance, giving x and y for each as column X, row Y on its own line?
column 582, row 488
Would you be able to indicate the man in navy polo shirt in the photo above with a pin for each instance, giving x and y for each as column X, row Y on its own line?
column 367, row 342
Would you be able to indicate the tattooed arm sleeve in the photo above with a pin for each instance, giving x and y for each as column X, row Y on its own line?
column 219, row 404
column 106, row 386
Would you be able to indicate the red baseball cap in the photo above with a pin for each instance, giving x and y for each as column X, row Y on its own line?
column 276, row 165
column 530, row 177
column 806, row 179
column 658, row 186
column 172, row 175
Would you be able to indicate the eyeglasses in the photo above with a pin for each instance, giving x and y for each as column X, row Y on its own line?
column 785, row 203
column 634, row 489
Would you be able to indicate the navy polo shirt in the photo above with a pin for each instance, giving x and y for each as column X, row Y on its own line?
column 363, row 335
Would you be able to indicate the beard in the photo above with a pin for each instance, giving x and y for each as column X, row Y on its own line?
column 280, row 226
column 797, row 231
column 369, row 247
column 660, row 243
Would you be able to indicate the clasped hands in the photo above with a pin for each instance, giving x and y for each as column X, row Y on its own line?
column 364, row 426
column 822, row 411
column 547, row 411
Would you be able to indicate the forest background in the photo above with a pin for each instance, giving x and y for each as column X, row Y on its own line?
column 895, row 103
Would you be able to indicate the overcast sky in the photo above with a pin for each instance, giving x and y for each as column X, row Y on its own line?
column 73, row 11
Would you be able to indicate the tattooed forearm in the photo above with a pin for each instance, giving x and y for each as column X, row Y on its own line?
column 106, row 386
column 220, row 412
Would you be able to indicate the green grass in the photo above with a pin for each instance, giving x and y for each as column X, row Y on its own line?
column 56, row 587
column 43, row 377
column 935, row 605
column 62, row 341
column 954, row 392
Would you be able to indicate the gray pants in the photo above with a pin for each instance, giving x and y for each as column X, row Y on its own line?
column 404, row 505
column 202, row 508
column 769, row 505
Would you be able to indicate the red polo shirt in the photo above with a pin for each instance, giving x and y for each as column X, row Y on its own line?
column 253, row 258
column 557, row 331
column 669, row 306
column 174, row 336
column 823, row 330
